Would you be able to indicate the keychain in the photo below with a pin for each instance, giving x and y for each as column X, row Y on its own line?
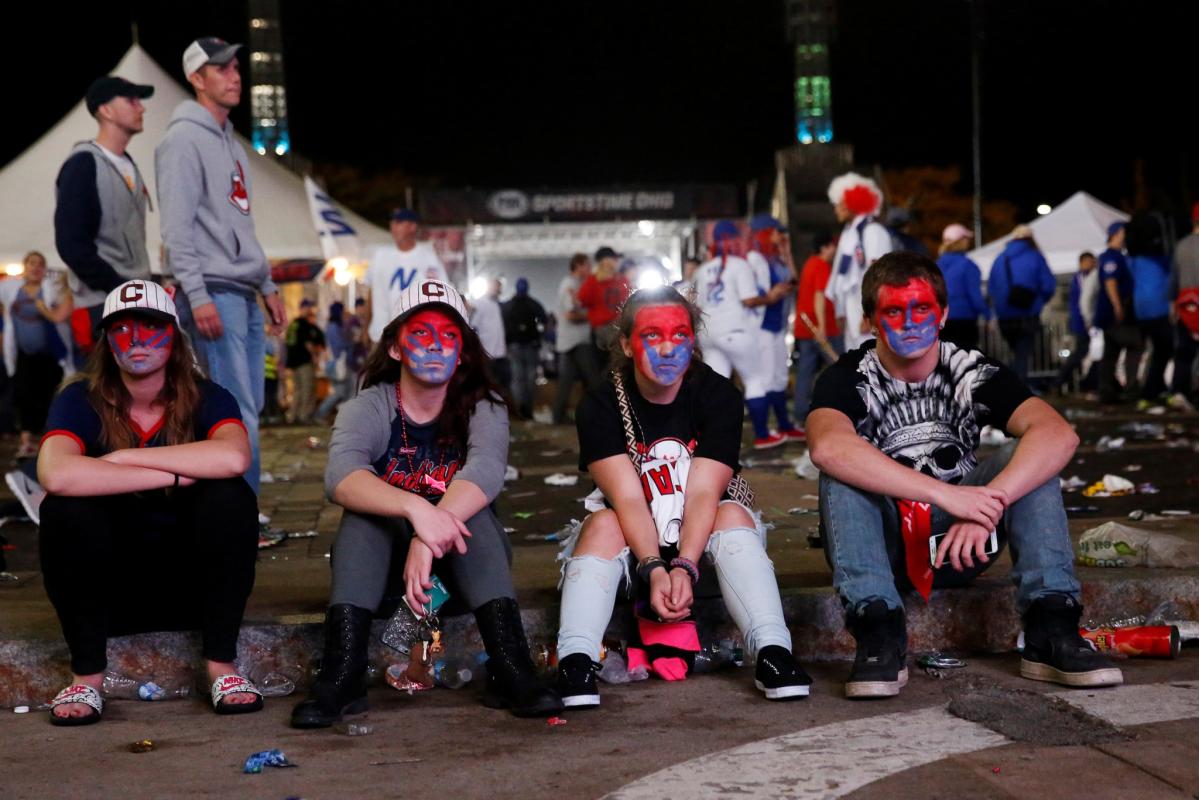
column 425, row 653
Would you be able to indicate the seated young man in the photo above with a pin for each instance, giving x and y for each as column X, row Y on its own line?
column 894, row 429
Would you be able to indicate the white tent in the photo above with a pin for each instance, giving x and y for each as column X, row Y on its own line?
column 280, row 203
column 1080, row 223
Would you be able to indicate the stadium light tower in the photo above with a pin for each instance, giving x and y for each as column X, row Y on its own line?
column 268, row 96
column 809, row 23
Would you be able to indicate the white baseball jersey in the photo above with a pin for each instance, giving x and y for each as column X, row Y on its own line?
column 760, row 268
column 719, row 295
column 863, row 241
column 664, row 473
column 390, row 272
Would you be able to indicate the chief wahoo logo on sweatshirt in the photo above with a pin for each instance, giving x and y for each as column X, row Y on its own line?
column 238, row 195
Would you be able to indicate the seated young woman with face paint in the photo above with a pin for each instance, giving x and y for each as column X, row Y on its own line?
column 416, row 460
column 671, row 515
column 905, row 501
column 148, row 524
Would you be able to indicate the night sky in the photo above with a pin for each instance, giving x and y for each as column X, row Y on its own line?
column 589, row 94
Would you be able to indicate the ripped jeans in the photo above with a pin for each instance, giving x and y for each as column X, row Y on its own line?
column 743, row 570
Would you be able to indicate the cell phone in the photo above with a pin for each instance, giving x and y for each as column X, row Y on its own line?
column 437, row 597
column 934, row 542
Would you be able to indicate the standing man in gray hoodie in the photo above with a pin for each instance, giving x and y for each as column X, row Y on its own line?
column 211, row 247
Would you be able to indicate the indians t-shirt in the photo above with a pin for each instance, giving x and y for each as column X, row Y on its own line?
column 72, row 414
column 932, row 426
column 425, row 466
column 704, row 421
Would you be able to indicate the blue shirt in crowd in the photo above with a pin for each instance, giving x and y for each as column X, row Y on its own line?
column 1113, row 265
column 1151, row 286
column 1026, row 267
column 963, row 285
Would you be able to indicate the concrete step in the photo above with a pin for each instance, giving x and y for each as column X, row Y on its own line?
column 978, row 618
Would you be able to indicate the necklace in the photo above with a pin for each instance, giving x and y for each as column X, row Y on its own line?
column 427, row 484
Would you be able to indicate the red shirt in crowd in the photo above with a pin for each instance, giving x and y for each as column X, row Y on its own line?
column 812, row 279
column 603, row 299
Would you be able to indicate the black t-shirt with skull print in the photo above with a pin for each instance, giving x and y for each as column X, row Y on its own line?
column 932, row 426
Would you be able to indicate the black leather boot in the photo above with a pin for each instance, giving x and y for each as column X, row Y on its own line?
column 341, row 686
column 512, row 681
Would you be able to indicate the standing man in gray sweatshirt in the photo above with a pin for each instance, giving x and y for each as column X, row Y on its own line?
column 208, row 234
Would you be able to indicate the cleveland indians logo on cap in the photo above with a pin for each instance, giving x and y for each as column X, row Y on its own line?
column 132, row 292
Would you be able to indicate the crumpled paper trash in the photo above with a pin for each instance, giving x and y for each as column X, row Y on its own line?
column 1110, row 486
column 1113, row 544
column 804, row 467
column 561, row 479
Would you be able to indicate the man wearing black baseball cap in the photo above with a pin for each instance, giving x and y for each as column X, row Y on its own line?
column 100, row 215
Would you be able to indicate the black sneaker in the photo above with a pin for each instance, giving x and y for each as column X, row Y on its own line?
column 880, row 666
column 1055, row 651
column 779, row 675
column 576, row 681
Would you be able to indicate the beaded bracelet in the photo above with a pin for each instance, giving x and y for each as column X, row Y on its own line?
column 688, row 565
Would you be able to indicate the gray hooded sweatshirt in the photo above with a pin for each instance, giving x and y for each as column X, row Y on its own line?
column 204, row 205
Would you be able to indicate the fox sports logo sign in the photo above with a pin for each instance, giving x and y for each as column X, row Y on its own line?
column 508, row 204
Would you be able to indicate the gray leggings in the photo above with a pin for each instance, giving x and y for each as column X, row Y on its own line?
column 362, row 556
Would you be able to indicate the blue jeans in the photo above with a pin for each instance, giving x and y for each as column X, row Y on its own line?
column 864, row 546
column 809, row 360
column 523, row 357
column 1020, row 334
column 237, row 361
column 339, row 392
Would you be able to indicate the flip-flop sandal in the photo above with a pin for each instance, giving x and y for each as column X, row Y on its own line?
column 226, row 685
column 77, row 693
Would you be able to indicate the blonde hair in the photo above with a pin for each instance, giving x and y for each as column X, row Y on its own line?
column 956, row 246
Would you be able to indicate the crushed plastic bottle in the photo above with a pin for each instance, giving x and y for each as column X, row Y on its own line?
column 614, row 669
column 122, row 687
column 355, row 728
column 274, row 683
column 452, row 672
column 374, row 675
column 718, row 655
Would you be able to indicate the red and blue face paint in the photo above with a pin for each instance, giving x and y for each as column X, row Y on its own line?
column 430, row 343
column 662, row 342
column 909, row 317
column 140, row 344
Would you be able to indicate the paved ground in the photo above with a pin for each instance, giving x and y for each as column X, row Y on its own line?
column 447, row 740
column 631, row 744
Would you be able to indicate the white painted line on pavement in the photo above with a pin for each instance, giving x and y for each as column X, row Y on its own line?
column 830, row 761
column 1139, row 705
column 826, row 761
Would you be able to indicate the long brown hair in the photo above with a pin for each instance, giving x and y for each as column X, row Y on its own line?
column 470, row 383
column 659, row 296
column 180, row 395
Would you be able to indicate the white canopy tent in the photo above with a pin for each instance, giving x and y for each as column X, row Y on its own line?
column 1080, row 223
column 280, row 203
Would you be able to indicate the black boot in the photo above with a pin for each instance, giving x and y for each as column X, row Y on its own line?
column 512, row 681
column 1055, row 651
column 341, row 686
column 880, row 668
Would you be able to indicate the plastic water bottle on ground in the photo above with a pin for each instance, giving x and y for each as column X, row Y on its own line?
column 122, row 687
column 614, row 669
column 452, row 673
column 718, row 655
